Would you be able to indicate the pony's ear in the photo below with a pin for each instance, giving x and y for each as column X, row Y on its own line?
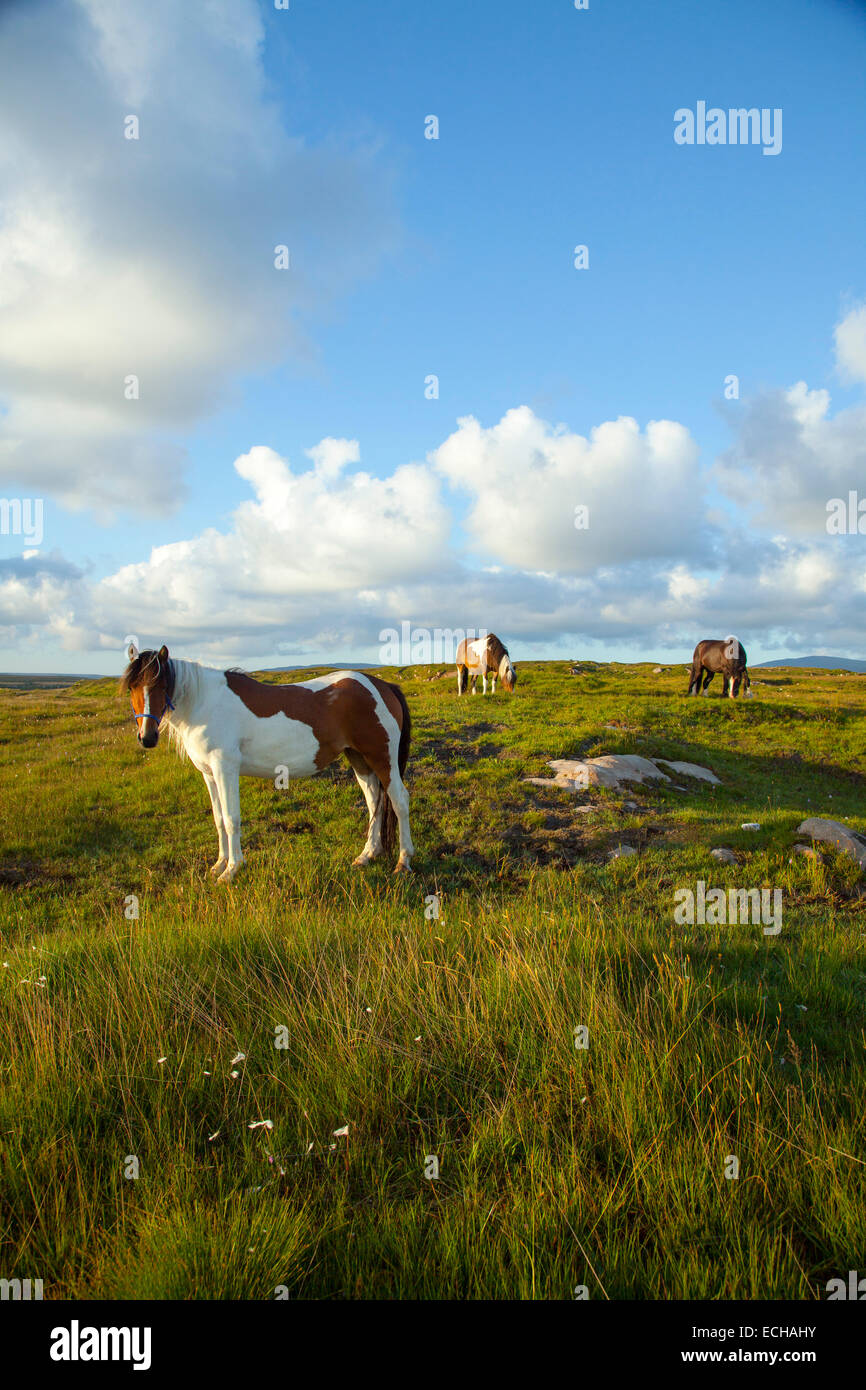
column 162, row 654
column 132, row 652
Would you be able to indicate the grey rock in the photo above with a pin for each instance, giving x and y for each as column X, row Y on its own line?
column 724, row 856
column 842, row 837
column 703, row 774
column 613, row 770
column 622, row 852
column 610, row 770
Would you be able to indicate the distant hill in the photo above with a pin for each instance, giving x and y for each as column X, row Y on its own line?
column 50, row 680
column 322, row 666
column 40, row 680
column 823, row 663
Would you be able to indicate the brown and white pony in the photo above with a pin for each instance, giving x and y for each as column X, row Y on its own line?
column 720, row 654
column 478, row 658
column 231, row 726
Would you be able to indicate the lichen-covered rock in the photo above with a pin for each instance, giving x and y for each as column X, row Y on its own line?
column 610, row 770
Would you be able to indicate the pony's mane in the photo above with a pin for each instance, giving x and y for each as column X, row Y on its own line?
column 496, row 650
column 135, row 670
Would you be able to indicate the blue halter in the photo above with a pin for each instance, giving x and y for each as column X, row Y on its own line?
column 168, row 704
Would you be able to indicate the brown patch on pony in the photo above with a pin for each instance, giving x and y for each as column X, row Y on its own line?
column 341, row 716
column 343, row 719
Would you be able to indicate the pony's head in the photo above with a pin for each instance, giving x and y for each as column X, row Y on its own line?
column 507, row 674
column 149, row 682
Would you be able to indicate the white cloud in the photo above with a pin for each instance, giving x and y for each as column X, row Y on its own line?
column 153, row 257
column 311, row 553
column 790, row 457
column 322, row 556
column 643, row 491
column 850, row 336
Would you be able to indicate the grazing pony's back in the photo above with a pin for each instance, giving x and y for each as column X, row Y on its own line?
column 481, row 657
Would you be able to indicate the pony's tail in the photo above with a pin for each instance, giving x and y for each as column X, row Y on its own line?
column 389, row 818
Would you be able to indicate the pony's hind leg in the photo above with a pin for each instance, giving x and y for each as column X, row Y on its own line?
column 390, row 782
column 399, row 798
column 710, row 676
column 462, row 674
column 372, row 789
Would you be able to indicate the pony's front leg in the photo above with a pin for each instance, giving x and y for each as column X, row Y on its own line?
column 228, row 787
column 211, row 785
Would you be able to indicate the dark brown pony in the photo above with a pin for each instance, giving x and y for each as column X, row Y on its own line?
column 482, row 657
column 719, row 655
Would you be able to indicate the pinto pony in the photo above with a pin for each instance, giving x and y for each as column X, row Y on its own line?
column 231, row 726
column 721, row 654
column 479, row 658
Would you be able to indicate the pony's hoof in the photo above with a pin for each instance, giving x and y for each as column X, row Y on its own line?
column 402, row 868
column 230, row 872
column 218, row 867
column 361, row 861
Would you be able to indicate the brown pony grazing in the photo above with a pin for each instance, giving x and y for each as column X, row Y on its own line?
column 231, row 726
column 477, row 658
column 720, row 654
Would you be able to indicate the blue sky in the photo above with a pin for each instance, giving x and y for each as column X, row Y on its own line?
column 413, row 256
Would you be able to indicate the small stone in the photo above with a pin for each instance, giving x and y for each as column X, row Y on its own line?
column 724, row 856
column 622, row 852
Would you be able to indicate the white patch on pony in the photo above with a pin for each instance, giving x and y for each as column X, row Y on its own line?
column 276, row 740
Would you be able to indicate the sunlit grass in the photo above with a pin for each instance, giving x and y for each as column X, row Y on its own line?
column 451, row 1036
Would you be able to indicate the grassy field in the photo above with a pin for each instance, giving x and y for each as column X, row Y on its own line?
column 449, row 1036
